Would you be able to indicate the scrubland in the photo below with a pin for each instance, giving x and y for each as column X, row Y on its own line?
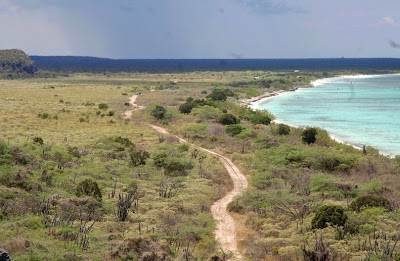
column 80, row 182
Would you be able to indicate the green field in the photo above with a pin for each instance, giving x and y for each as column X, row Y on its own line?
column 50, row 211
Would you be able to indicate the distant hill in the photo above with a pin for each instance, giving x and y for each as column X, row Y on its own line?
column 93, row 64
column 16, row 61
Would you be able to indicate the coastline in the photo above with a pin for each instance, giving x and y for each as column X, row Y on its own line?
column 318, row 82
column 253, row 102
column 249, row 102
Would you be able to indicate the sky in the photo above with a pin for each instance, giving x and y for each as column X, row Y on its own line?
column 181, row 29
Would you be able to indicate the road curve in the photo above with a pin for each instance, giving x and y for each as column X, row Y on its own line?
column 226, row 233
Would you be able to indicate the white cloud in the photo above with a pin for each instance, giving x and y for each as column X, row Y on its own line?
column 389, row 20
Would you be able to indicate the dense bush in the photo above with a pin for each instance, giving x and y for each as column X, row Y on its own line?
column 174, row 169
column 233, row 129
column 186, row 108
column 283, row 129
column 138, row 157
column 370, row 201
column 123, row 141
column 38, row 140
column 228, row 119
column 103, row 106
column 160, row 159
column 88, row 187
column 217, row 95
column 260, row 118
column 158, row 112
column 329, row 215
column 190, row 103
column 309, row 135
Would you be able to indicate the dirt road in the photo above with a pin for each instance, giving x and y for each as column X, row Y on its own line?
column 226, row 233
column 226, row 226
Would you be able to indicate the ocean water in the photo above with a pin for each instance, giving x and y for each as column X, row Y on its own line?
column 356, row 110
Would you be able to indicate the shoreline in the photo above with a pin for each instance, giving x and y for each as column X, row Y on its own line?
column 315, row 83
column 318, row 82
column 249, row 102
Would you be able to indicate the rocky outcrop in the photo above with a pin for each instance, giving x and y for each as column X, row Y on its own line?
column 4, row 256
column 16, row 61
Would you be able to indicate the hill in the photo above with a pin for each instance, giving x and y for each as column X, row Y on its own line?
column 16, row 61
column 94, row 64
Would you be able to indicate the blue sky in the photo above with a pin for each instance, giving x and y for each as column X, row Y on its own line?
column 202, row 28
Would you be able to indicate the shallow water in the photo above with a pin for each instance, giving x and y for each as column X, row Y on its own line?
column 358, row 111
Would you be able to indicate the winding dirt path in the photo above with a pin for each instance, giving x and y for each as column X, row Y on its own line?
column 132, row 101
column 226, row 232
column 226, row 226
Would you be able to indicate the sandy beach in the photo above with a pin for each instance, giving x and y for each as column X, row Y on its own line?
column 251, row 102
column 259, row 99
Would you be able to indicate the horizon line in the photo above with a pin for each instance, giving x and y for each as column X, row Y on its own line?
column 225, row 58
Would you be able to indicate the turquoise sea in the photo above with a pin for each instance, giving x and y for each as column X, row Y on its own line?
column 359, row 110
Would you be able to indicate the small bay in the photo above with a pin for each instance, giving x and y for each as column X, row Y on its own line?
column 356, row 110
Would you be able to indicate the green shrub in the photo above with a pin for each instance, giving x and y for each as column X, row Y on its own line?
column 111, row 113
column 295, row 156
column 217, row 95
column 207, row 112
column 158, row 112
column 44, row 115
column 38, row 140
column 309, row 135
column 88, row 187
column 186, row 108
column 259, row 118
column 138, row 157
column 370, row 201
column 329, row 215
column 283, row 129
column 74, row 151
column 228, row 119
column 234, row 129
column 183, row 147
column 343, row 167
column 160, row 159
column 123, row 141
column 175, row 169
column 3, row 148
column 103, row 106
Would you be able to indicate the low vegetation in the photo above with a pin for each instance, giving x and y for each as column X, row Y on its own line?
column 110, row 188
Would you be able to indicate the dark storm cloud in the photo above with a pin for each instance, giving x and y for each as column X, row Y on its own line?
column 394, row 44
column 200, row 29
